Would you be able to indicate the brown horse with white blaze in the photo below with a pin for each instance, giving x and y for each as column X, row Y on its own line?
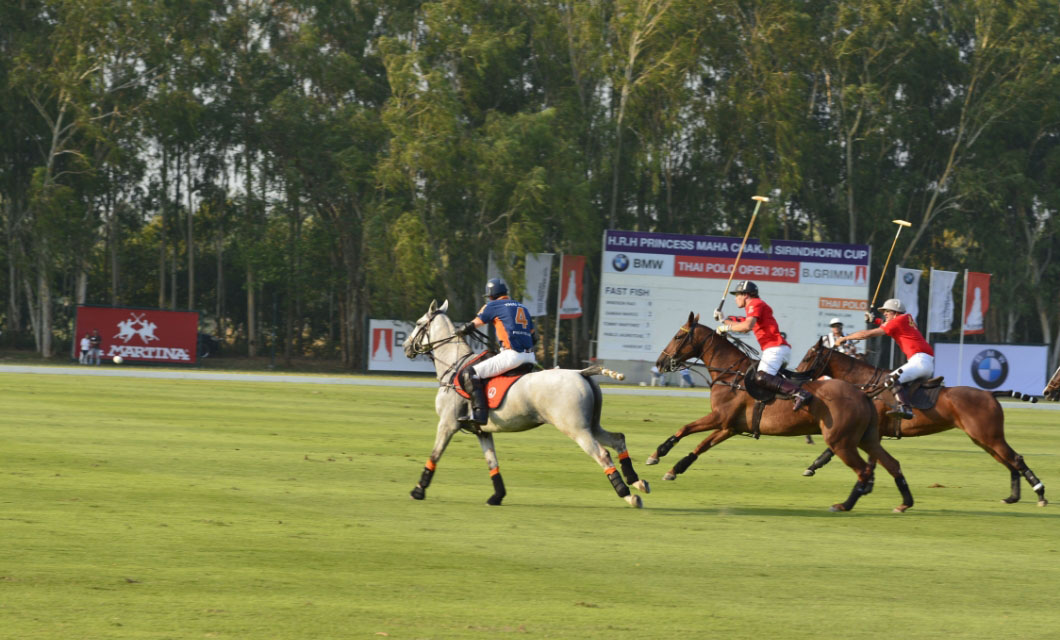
column 839, row 411
column 974, row 411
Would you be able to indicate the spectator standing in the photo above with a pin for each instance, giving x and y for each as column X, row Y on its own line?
column 86, row 350
column 95, row 342
column 830, row 339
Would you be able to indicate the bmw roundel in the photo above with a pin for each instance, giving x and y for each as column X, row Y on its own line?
column 907, row 277
column 990, row 368
column 621, row 262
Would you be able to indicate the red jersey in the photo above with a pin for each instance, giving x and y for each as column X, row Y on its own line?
column 903, row 329
column 766, row 330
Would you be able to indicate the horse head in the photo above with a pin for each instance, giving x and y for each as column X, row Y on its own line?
column 683, row 346
column 419, row 341
column 816, row 359
column 1052, row 390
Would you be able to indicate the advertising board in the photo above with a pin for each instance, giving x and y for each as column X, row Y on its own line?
column 651, row 281
column 385, row 347
column 994, row 367
column 143, row 335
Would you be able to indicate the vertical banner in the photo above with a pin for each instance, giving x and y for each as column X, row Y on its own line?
column 940, row 301
column 538, row 272
column 907, row 289
column 976, row 302
column 571, row 272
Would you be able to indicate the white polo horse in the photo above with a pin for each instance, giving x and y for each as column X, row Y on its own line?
column 566, row 398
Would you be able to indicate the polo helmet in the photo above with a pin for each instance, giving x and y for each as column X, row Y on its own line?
column 496, row 288
column 894, row 304
column 747, row 287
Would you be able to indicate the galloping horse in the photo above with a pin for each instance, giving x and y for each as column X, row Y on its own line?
column 568, row 399
column 974, row 411
column 841, row 413
column 1052, row 389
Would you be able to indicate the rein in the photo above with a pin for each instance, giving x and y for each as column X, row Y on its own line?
column 875, row 384
column 734, row 369
column 423, row 347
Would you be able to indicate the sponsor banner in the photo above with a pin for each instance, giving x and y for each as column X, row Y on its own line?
column 651, row 264
column 386, row 339
column 940, row 301
column 977, row 302
column 572, row 278
column 142, row 335
column 538, row 270
column 827, row 273
column 994, row 367
column 631, row 242
column 843, row 304
column 907, row 289
column 757, row 270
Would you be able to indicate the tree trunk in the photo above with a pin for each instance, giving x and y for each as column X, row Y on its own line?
column 252, row 329
column 45, row 298
column 220, row 286
column 191, row 241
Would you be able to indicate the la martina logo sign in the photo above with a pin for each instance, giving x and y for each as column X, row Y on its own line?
column 139, row 328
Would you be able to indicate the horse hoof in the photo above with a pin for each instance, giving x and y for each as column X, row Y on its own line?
column 642, row 486
column 494, row 501
column 808, row 472
column 634, row 501
column 652, row 460
column 837, row 507
column 1010, row 500
column 669, row 475
column 417, row 494
column 901, row 508
column 1043, row 502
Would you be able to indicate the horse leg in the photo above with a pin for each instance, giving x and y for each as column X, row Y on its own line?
column 684, row 463
column 878, row 453
column 485, row 440
column 848, row 453
column 1003, row 453
column 823, row 459
column 446, row 429
column 597, row 452
column 1036, row 484
column 617, row 441
column 706, row 423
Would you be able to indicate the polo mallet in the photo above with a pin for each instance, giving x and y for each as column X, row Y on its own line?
column 717, row 312
column 900, row 223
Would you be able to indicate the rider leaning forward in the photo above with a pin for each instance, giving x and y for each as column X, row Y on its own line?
column 515, row 331
column 902, row 328
column 775, row 350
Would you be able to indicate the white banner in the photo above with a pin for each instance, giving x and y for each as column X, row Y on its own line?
column 940, row 301
column 994, row 367
column 907, row 289
column 538, row 271
column 386, row 339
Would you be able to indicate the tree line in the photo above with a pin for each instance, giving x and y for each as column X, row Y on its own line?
column 290, row 168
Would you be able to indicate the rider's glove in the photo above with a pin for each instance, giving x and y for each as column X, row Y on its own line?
column 870, row 316
column 722, row 329
column 717, row 315
column 465, row 328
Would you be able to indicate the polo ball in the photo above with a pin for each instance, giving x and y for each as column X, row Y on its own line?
column 118, row 360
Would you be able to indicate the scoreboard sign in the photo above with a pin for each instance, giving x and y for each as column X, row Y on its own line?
column 650, row 281
column 143, row 335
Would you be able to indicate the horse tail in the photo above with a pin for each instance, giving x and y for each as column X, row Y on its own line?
column 598, row 403
column 597, row 370
column 1015, row 394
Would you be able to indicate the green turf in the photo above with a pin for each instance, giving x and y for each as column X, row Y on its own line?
column 200, row 509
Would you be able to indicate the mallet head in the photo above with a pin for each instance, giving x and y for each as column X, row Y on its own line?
column 762, row 199
column 902, row 223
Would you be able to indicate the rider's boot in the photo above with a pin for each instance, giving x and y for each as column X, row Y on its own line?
column 475, row 388
column 786, row 387
column 904, row 410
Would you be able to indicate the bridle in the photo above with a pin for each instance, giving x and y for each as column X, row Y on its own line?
column 823, row 355
column 737, row 369
column 420, row 345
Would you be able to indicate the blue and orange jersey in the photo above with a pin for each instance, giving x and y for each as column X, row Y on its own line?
column 511, row 321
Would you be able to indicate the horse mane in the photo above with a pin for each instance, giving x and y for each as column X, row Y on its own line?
column 725, row 344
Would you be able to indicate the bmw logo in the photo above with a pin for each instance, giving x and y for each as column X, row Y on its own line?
column 990, row 369
column 621, row 262
column 907, row 278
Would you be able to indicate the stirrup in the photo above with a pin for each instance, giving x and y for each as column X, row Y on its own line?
column 902, row 411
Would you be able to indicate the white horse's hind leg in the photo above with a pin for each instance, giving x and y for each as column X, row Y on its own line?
column 617, row 441
column 485, row 440
column 589, row 444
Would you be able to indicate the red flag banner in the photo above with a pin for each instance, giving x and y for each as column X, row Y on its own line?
column 145, row 335
column 571, row 275
column 976, row 302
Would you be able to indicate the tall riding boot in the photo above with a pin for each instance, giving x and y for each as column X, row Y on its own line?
column 904, row 410
column 785, row 387
column 474, row 386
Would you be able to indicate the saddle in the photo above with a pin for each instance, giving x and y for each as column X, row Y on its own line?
column 765, row 396
column 923, row 394
column 497, row 386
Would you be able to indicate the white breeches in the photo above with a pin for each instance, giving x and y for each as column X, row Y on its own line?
column 774, row 358
column 506, row 360
column 920, row 367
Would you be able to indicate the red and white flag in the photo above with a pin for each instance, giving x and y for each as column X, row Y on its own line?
column 571, row 275
column 976, row 302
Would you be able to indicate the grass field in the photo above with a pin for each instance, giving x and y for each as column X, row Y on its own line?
column 190, row 509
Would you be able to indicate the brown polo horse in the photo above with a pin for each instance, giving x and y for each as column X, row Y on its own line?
column 839, row 411
column 1052, row 389
column 974, row 411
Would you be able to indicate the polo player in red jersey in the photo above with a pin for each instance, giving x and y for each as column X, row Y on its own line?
column 775, row 349
column 901, row 327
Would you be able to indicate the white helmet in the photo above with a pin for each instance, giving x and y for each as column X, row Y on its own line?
column 894, row 304
column 834, row 321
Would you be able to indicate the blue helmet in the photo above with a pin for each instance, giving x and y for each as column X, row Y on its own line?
column 496, row 288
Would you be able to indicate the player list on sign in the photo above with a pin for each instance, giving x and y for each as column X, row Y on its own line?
column 626, row 317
